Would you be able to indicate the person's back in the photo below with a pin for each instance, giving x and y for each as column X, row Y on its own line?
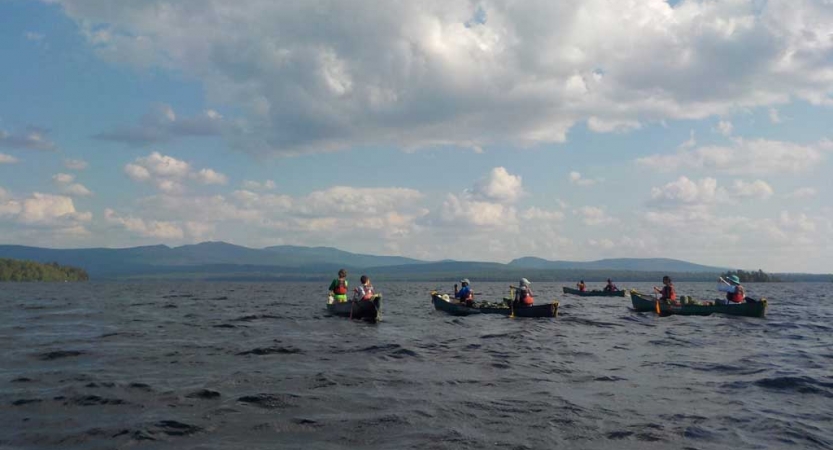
column 339, row 287
column 610, row 286
column 581, row 286
column 365, row 290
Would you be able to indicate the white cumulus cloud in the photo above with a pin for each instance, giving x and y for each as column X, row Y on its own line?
column 757, row 156
column 577, row 179
column 685, row 191
column 169, row 174
column 525, row 73
column 756, row 189
column 499, row 186
column 151, row 228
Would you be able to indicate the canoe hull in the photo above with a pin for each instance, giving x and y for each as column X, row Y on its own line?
column 456, row 309
column 367, row 310
column 592, row 293
column 748, row 309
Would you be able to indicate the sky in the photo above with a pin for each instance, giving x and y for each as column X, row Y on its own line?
column 471, row 130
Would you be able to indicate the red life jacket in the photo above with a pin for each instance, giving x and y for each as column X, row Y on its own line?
column 668, row 293
column 341, row 289
column 737, row 296
column 368, row 294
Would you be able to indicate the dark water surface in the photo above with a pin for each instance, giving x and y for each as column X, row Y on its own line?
column 251, row 366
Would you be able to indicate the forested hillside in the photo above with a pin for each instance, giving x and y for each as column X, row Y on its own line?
column 14, row 270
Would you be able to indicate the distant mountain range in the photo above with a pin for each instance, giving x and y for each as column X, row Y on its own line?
column 221, row 260
column 630, row 264
column 216, row 259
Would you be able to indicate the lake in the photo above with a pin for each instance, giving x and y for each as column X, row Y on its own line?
column 262, row 366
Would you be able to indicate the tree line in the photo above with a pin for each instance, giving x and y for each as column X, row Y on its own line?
column 14, row 270
column 753, row 277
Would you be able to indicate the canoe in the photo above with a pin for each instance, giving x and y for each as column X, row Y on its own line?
column 753, row 308
column 457, row 309
column 368, row 310
column 619, row 293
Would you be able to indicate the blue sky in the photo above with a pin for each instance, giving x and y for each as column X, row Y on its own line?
column 476, row 130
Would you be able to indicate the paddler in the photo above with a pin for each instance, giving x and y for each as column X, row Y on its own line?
column 733, row 289
column 338, row 288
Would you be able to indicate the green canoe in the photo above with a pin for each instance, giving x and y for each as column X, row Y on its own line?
column 457, row 309
column 751, row 308
column 619, row 293
column 367, row 310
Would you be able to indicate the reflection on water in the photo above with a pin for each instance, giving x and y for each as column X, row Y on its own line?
column 249, row 365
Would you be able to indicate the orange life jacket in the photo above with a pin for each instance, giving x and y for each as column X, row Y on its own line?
column 668, row 293
column 525, row 297
column 341, row 289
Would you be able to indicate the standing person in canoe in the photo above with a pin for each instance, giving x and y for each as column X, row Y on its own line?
column 523, row 294
column 338, row 288
column 465, row 294
column 365, row 291
column 581, row 286
column 668, row 294
column 733, row 289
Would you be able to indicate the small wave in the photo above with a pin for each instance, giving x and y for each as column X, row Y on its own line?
column 203, row 394
column 609, row 378
column 403, row 353
column 803, row 385
column 93, row 400
column 260, row 351
column 173, row 428
column 49, row 356
column 269, row 401
column 26, row 401
column 252, row 317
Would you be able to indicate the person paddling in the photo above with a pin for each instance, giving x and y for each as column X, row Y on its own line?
column 610, row 286
column 581, row 286
column 733, row 289
column 338, row 288
column 365, row 291
column 668, row 294
column 465, row 294
column 523, row 294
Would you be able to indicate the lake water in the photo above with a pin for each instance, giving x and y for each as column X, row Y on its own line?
column 261, row 366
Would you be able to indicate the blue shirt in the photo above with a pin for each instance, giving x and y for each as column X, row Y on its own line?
column 463, row 293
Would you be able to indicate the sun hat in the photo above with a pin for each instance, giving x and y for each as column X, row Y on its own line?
column 524, row 282
column 465, row 280
column 734, row 279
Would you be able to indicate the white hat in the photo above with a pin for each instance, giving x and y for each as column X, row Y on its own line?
column 465, row 280
column 524, row 282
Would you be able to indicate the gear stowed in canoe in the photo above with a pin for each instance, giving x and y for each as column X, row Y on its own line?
column 620, row 293
column 750, row 308
column 442, row 303
column 368, row 310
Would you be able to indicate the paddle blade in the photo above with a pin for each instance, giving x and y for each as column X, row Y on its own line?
column 657, row 305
